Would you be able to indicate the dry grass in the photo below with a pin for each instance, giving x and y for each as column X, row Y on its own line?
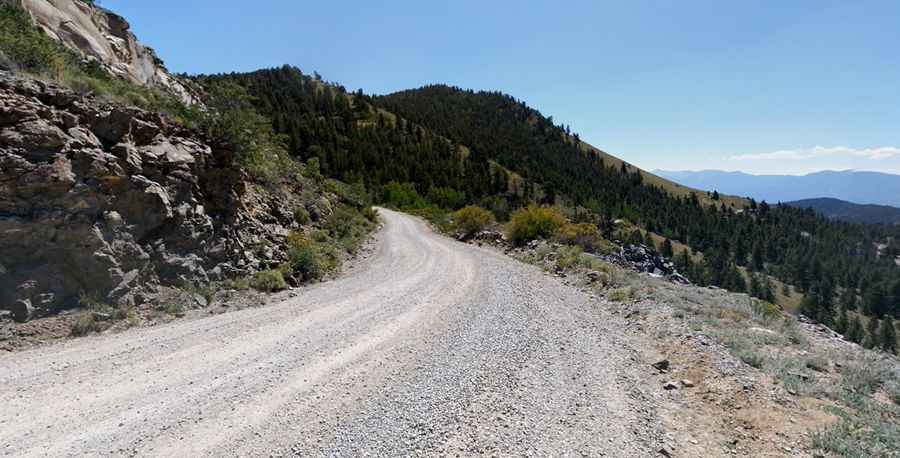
column 859, row 389
column 860, row 383
column 669, row 186
column 624, row 294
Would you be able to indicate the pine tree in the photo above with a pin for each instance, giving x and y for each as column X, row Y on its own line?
column 871, row 340
column 874, row 300
column 685, row 265
column 740, row 250
column 855, row 332
column 842, row 324
column 768, row 289
column 756, row 287
column 757, row 260
column 848, row 299
column 811, row 306
column 887, row 335
column 825, row 291
column 738, row 284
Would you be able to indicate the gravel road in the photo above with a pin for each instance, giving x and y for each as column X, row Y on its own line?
column 429, row 347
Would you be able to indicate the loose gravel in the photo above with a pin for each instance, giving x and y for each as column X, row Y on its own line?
column 431, row 347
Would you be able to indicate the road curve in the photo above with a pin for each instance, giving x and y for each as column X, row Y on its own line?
column 431, row 347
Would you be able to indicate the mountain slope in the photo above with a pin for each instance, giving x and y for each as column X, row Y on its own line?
column 447, row 147
column 794, row 245
column 850, row 212
column 857, row 187
column 671, row 185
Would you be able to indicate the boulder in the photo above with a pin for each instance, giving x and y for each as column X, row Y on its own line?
column 37, row 140
column 22, row 310
column 113, row 126
column 661, row 366
column 129, row 158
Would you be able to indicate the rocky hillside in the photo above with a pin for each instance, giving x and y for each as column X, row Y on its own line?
column 106, row 201
column 105, row 37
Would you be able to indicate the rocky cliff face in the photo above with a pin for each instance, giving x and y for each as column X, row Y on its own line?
column 107, row 201
column 106, row 37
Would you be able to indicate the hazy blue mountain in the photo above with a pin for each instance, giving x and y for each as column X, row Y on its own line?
column 852, row 186
column 850, row 212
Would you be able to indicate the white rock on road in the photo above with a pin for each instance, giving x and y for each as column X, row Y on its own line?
column 431, row 347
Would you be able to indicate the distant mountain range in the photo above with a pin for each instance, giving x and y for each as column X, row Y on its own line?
column 851, row 186
column 850, row 212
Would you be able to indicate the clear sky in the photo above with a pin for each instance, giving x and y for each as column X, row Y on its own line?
column 760, row 86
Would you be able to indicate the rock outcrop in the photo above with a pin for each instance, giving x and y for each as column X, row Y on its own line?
column 107, row 201
column 103, row 36
column 642, row 259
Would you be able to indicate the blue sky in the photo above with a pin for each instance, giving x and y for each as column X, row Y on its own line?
column 763, row 87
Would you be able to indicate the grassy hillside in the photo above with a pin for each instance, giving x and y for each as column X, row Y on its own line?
column 667, row 185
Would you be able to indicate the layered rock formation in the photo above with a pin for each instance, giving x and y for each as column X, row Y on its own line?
column 106, row 37
column 103, row 200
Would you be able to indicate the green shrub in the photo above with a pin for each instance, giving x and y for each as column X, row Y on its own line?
column 470, row 220
column 568, row 257
column 585, row 235
column 172, row 308
column 750, row 357
column 403, row 196
column 765, row 311
column 348, row 227
column 864, row 375
column 534, row 222
column 354, row 194
column 132, row 319
column 342, row 221
column 370, row 214
column 86, row 324
column 301, row 216
column 234, row 121
column 30, row 49
column 92, row 302
column 239, row 284
column 621, row 294
column 268, row 280
column 446, row 197
column 438, row 217
column 304, row 257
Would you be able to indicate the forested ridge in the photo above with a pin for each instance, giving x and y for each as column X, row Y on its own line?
column 442, row 143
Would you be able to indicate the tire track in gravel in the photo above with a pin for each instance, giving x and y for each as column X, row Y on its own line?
column 431, row 347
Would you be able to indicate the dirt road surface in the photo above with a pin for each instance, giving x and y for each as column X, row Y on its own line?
column 429, row 347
